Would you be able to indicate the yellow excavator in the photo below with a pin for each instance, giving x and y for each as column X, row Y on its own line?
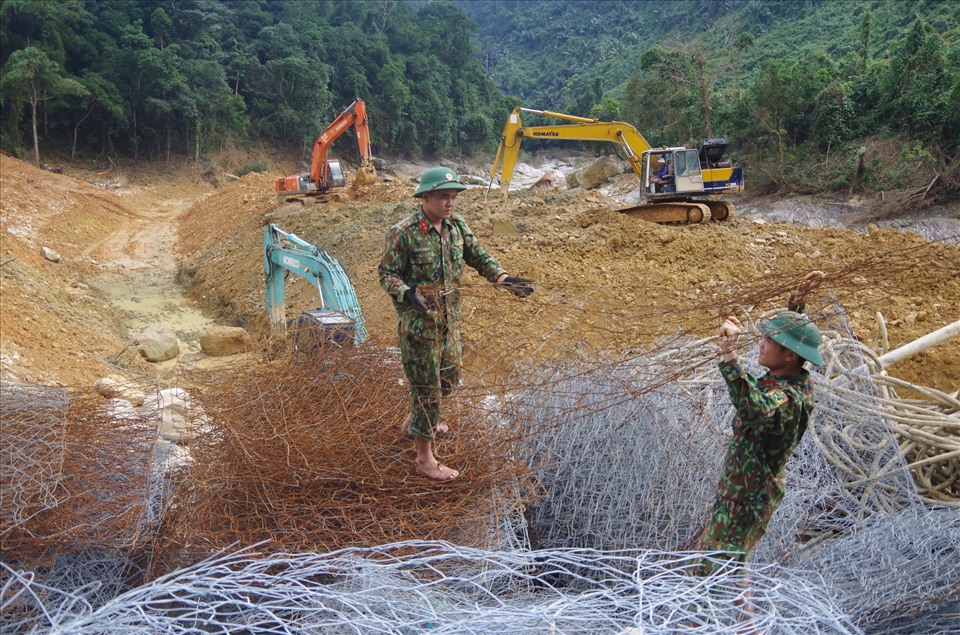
column 689, row 190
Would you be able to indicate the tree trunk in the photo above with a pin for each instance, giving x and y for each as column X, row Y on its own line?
column 36, row 140
column 46, row 124
column 136, row 143
column 76, row 129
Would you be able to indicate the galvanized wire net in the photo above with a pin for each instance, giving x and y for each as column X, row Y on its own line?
column 635, row 459
column 411, row 587
column 894, row 573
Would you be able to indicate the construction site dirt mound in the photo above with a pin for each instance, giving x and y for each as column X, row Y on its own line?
column 605, row 282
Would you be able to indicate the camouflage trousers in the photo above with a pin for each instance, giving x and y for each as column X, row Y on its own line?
column 432, row 367
column 736, row 526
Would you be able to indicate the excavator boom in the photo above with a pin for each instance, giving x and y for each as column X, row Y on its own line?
column 623, row 134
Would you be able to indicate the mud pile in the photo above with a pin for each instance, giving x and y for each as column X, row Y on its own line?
column 605, row 282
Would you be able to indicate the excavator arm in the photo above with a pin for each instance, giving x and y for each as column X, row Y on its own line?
column 354, row 116
column 326, row 174
column 623, row 134
column 283, row 252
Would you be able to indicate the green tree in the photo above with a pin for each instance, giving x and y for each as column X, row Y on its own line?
column 834, row 114
column 104, row 102
column 917, row 84
column 32, row 77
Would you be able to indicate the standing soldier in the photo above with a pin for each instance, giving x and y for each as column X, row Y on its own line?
column 422, row 262
column 772, row 415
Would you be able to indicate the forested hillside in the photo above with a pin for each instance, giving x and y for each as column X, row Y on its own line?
column 150, row 78
column 815, row 94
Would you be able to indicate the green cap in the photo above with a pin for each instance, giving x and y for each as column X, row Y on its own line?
column 438, row 178
column 796, row 333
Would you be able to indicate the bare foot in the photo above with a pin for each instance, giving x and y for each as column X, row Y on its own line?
column 436, row 472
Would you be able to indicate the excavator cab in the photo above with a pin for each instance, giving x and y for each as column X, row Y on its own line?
column 684, row 175
column 304, row 183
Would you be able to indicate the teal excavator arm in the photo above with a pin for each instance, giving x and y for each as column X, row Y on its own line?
column 283, row 251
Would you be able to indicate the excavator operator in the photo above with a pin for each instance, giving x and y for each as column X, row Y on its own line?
column 423, row 257
column 663, row 176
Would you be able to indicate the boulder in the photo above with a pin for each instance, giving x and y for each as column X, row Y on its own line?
column 596, row 174
column 219, row 341
column 158, row 344
column 122, row 410
column 50, row 254
column 119, row 387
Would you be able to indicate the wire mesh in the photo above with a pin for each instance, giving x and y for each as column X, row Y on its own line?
column 410, row 587
column 311, row 455
column 617, row 453
column 75, row 476
column 894, row 573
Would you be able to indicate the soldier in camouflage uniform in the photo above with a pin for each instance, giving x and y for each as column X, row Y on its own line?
column 423, row 258
column 772, row 415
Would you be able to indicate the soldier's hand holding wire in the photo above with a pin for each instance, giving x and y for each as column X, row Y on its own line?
column 809, row 283
column 727, row 338
column 425, row 304
column 521, row 287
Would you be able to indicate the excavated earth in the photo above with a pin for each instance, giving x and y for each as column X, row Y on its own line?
column 183, row 247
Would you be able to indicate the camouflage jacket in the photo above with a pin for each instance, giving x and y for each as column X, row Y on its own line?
column 772, row 415
column 416, row 255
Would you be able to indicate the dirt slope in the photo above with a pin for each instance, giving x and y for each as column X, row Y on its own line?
column 58, row 321
column 605, row 282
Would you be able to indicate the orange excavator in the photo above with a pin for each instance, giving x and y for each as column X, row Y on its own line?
column 326, row 174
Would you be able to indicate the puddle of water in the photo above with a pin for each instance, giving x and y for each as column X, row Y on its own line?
column 155, row 303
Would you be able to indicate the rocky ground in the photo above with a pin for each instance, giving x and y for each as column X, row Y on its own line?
column 175, row 246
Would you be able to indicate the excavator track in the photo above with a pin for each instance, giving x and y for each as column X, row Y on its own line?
column 673, row 213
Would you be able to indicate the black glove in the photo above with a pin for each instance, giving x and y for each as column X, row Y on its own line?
column 424, row 304
column 520, row 286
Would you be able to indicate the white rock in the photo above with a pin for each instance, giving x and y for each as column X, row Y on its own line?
column 180, row 418
column 50, row 254
column 121, row 410
column 113, row 386
column 158, row 344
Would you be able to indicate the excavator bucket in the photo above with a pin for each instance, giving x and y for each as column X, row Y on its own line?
column 366, row 175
